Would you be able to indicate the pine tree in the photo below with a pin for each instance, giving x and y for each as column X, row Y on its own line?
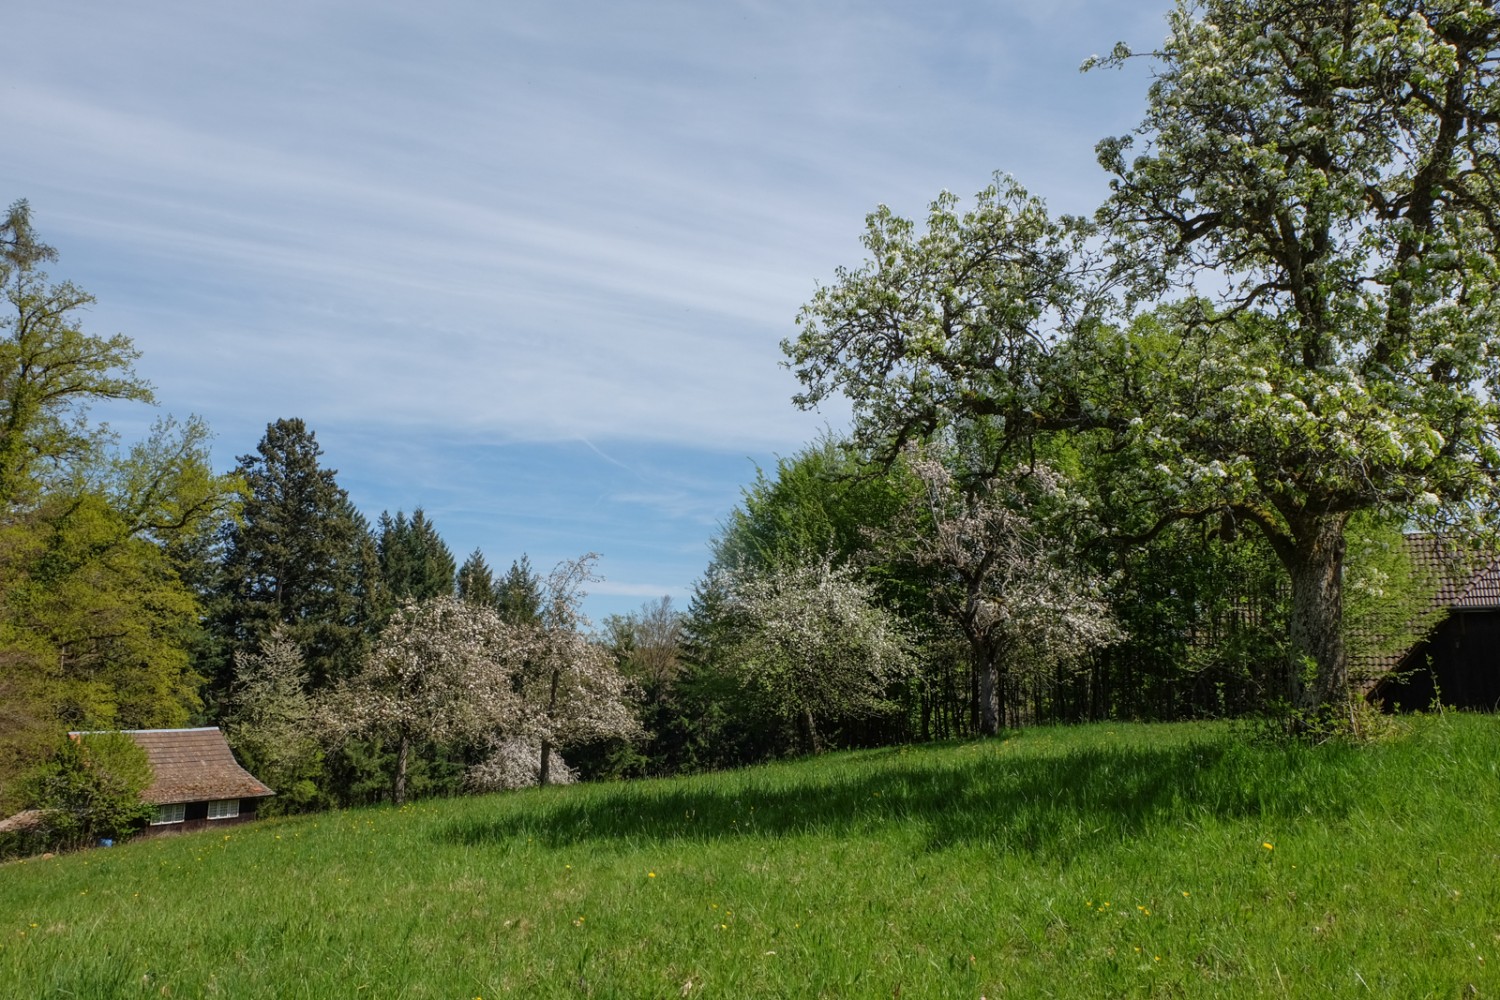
column 519, row 594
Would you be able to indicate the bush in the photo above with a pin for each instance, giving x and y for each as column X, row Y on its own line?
column 90, row 789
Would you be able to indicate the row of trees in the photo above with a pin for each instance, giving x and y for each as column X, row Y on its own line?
column 1281, row 321
column 97, row 622
column 139, row 589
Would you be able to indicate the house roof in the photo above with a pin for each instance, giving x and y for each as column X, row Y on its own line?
column 1463, row 585
column 193, row 765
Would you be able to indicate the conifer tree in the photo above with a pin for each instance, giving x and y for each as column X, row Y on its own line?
column 519, row 594
column 476, row 583
column 414, row 560
column 296, row 560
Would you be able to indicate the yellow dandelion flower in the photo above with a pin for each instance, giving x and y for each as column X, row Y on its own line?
column 1268, row 847
column 651, row 874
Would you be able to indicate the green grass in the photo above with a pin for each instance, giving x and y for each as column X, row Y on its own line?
column 1101, row 861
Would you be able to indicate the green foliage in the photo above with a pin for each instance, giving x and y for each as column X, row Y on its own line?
column 475, row 581
column 414, row 561
column 1334, row 170
column 299, row 558
column 1033, row 866
column 821, row 502
column 91, row 789
column 50, row 371
column 96, row 620
column 1204, row 617
column 272, row 727
column 518, row 595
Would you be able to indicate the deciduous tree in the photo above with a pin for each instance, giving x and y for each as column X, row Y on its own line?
column 1004, row 576
column 271, row 723
column 95, row 618
column 812, row 638
column 568, row 688
column 441, row 671
column 50, row 371
column 1330, row 175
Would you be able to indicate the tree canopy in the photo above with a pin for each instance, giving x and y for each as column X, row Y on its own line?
column 1283, row 312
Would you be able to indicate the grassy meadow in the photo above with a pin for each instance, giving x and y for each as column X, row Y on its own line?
column 1098, row 861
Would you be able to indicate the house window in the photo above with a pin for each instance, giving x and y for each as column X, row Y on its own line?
column 224, row 809
column 171, row 813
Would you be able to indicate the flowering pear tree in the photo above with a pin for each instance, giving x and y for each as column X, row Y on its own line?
column 517, row 763
column 1311, row 215
column 812, row 638
column 440, row 671
column 565, row 686
column 1004, row 579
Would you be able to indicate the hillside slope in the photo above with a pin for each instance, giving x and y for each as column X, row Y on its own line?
column 1108, row 860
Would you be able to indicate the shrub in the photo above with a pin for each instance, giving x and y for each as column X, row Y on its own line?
column 91, row 788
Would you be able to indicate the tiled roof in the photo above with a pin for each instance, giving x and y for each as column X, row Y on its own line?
column 1463, row 584
column 194, row 765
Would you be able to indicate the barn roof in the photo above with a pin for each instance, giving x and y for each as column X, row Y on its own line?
column 1466, row 581
column 193, row 765
column 1463, row 584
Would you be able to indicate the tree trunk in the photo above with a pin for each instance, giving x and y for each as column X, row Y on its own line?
column 545, row 773
column 1318, row 671
column 398, row 784
column 988, row 672
column 810, row 732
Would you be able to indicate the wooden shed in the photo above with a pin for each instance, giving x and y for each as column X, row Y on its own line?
column 1459, row 662
column 197, row 782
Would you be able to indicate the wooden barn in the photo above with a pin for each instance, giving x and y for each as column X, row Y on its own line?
column 1459, row 662
column 198, row 783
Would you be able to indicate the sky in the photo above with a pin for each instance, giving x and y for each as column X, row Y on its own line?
column 526, row 265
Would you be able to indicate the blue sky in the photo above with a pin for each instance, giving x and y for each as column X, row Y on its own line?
column 525, row 265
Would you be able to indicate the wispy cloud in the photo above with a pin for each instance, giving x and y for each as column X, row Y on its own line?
column 462, row 236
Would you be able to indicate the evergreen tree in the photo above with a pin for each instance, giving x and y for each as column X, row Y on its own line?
column 414, row 560
column 476, row 583
column 519, row 594
column 298, row 559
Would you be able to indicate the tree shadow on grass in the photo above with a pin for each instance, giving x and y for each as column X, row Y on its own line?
column 974, row 794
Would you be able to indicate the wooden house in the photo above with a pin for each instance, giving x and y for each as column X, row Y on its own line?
column 196, row 783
